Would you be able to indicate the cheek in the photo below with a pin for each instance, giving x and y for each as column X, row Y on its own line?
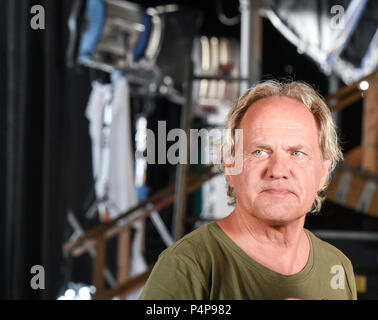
column 246, row 180
column 309, row 180
column 242, row 181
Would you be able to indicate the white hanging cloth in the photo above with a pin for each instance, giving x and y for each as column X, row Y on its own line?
column 113, row 168
column 113, row 159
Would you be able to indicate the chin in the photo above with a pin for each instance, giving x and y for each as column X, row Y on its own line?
column 279, row 222
column 279, row 216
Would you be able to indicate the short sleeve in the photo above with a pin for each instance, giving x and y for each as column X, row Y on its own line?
column 351, row 279
column 175, row 276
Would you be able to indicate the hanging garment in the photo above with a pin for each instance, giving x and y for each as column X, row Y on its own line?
column 108, row 112
column 113, row 160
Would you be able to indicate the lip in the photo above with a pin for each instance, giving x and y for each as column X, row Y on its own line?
column 278, row 192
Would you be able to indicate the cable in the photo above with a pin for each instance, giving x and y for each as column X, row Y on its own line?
column 223, row 18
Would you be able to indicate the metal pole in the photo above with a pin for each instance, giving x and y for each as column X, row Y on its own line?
column 256, row 41
column 346, row 235
column 250, row 43
column 333, row 86
column 244, row 44
column 179, row 206
column 78, row 231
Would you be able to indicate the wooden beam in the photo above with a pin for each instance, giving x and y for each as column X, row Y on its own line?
column 124, row 239
column 355, row 190
column 82, row 247
column 347, row 101
column 343, row 91
column 353, row 158
column 370, row 128
column 155, row 198
column 354, row 193
column 373, row 208
column 129, row 286
column 99, row 265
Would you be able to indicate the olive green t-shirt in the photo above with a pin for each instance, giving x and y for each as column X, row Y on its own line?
column 207, row 264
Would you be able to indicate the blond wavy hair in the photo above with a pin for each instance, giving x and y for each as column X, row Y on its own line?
column 328, row 139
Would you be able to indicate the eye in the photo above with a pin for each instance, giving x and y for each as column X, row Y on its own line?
column 297, row 154
column 258, row 153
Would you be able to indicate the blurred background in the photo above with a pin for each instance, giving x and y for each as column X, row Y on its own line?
column 86, row 205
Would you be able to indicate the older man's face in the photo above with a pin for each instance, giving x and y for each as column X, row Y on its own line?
column 283, row 167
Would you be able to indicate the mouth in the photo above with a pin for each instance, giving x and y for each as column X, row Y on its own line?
column 278, row 192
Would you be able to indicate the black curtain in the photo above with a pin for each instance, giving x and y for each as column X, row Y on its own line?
column 45, row 161
column 45, row 150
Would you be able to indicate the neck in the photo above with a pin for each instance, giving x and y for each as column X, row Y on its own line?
column 282, row 247
column 276, row 235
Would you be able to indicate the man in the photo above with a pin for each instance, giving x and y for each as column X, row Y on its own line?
column 261, row 250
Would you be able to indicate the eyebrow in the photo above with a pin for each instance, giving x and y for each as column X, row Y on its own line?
column 268, row 147
column 297, row 147
column 260, row 145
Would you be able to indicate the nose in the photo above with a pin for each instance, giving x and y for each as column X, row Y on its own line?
column 278, row 167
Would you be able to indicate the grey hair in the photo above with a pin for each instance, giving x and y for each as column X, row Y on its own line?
column 328, row 139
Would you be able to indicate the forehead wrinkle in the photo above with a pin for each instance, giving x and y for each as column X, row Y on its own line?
column 289, row 138
column 297, row 145
column 285, row 119
column 260, row 134
column 279, row 128
column 290, row 125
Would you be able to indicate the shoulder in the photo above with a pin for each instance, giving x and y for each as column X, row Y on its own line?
column 182, row 270
column 196, row 241
column 327, row 251
column 331, row 257
column 196, row 251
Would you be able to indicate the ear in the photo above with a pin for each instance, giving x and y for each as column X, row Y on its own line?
column 228, row 163
column 325, row 167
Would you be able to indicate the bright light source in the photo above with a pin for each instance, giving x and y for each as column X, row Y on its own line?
column 84, row 293
column 363, row 85
column 70, row 294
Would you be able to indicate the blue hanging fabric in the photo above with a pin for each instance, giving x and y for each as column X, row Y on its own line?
column 94, row 16
column 143, row 37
